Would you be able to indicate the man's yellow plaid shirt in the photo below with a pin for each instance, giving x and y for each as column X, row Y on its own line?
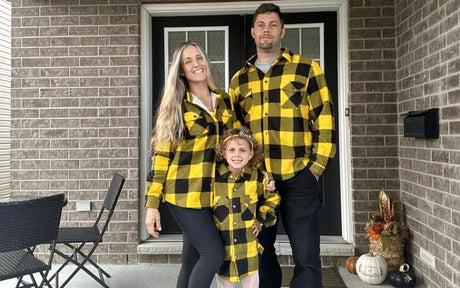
column 289, row 111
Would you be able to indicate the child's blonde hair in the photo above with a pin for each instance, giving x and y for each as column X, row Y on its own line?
column 241, row 133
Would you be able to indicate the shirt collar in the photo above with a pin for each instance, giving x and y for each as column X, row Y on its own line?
column 189, row 97
column 285, row 53
column 225, row 173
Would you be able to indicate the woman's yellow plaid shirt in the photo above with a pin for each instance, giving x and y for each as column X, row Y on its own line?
column 184, row 177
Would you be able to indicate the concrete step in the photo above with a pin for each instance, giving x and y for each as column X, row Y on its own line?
column 167, row 250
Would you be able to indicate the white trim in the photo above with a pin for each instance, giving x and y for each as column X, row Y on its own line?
column 346, row 198
column 145, row 109
column 227, row 8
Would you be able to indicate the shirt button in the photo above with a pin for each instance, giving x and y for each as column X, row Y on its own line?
column 234, row 223
column 234, row 240
column 234, row 206
column 266, row 114
column 234, row 190
column 266, row 81
column 231, row 176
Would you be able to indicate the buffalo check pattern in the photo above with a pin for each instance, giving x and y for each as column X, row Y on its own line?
column 184, row 177
column 240, row 201
column 289, row 111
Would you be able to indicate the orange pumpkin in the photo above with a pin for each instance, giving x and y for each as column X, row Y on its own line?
column 350, row 263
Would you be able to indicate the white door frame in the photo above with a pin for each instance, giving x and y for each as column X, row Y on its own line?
column 289, row 6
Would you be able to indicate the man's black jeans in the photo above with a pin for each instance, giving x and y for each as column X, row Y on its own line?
column 299, row 208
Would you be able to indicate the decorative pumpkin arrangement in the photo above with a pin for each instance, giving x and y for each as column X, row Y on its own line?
column 350, row 264
column 386, row 236
column 402, row 278
column 371, row 269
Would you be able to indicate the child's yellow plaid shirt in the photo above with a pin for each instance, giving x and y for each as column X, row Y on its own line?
column 241, row 201
column 289, row 111
column 184, row 177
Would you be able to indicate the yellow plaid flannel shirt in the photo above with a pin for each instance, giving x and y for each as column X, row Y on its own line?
column 289, row 111
column 239, row 201
column 184, row 177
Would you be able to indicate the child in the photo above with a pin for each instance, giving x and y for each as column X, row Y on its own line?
column 242, row 206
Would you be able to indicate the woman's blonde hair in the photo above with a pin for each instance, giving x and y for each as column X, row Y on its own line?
column 169, row 124
column 240, row 133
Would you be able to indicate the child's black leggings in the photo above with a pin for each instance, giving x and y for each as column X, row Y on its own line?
column 202, row 250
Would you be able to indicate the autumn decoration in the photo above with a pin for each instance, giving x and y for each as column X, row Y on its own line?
column 350, row 264
column 386, row 235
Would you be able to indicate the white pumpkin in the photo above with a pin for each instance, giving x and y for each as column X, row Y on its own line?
column 372, row 269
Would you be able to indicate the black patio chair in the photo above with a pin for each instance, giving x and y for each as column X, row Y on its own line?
column 75, row 238
column 24, row 225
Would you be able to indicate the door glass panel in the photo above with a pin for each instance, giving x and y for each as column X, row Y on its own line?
column 291, row 40
column 216, row 46
column 307, row 40
column 219, row 73
column 174, row 39
column 199, row 37
column 311, row 48
column 213, row 40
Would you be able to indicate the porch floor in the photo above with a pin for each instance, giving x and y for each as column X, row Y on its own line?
column 158, row 276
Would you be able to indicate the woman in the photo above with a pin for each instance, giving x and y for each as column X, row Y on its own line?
column 192, row 114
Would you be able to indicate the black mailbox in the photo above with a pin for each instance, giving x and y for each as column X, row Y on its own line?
column 422, row 124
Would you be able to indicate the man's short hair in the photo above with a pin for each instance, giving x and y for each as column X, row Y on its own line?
column 267, row 8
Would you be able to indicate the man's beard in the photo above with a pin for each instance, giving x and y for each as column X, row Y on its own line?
column 266, row 46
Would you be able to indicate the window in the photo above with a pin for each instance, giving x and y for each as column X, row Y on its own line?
column 214, row 40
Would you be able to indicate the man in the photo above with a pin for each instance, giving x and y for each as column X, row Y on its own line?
column 284, row 100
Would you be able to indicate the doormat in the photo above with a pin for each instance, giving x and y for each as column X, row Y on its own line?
column 331, row 277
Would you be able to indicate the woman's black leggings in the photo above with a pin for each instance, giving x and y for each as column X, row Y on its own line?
column 202, row 250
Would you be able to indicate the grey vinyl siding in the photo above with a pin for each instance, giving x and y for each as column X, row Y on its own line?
column 5, row 96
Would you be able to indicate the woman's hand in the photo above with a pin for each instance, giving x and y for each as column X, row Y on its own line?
column 153, row 222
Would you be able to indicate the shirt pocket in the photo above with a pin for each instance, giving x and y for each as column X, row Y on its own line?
column 196, row 123
column 220, row 210
column 248, row 207
column 227, row 119
column 293, row 95
column 248, row 101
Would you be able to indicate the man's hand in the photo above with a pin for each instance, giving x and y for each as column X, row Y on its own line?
column 153, row 222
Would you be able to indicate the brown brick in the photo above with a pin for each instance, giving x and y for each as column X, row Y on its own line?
column 94, row 82
column 67, row 61
column 85, row 72
column 83, row 10
column 118, row 20
column 24, row 32
column 94, row 20
column 83, row 30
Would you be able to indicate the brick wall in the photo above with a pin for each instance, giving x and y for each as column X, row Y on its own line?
column 428, row 66
column 373, row 103
column 75, row 109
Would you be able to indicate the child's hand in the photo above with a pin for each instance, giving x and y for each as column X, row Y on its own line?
column 269, row 184
column 255, row 229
